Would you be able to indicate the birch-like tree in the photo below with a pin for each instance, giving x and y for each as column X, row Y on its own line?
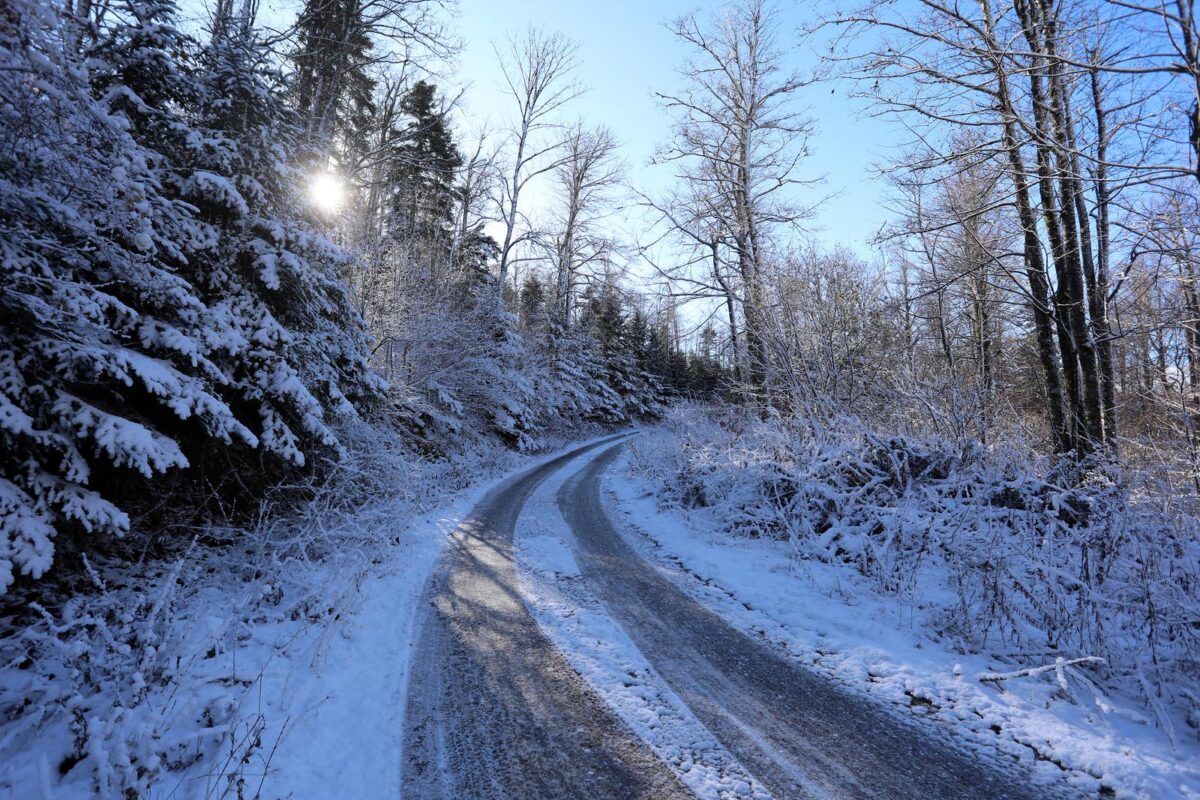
column 537, row 71
column 1003, row 73
column 738, row 140
column 587, row 175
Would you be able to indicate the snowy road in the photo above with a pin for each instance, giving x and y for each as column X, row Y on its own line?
column 495, row 711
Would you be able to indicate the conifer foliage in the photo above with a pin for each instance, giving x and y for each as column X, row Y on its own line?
column 162, row 300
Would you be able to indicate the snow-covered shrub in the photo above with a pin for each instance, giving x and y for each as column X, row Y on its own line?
column 1008, row 551
column 106, row 663
column 158, row 675
column 474, row 372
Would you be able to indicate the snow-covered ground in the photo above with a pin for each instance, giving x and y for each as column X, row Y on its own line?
column 343, row 701
column 829, row 619
column 305, row 702
column 299, row 701
column 600, row 651
column 234, row 671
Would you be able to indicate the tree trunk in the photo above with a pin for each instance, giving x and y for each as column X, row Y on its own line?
column 1035, row 267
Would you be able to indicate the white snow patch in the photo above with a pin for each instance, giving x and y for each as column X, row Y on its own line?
column 343, row 702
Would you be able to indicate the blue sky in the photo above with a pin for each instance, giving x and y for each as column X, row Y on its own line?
column 626, row 52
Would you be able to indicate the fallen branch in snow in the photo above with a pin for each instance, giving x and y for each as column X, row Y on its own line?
column 1059, row 665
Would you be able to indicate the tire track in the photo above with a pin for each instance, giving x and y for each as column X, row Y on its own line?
column 800, row 735
column 494, row 712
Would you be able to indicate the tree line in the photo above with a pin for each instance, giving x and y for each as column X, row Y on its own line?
column 1035, row 281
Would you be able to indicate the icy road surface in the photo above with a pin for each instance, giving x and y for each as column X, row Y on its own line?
column 495, row 711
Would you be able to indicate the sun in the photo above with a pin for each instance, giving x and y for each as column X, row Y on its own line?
column 326, row 192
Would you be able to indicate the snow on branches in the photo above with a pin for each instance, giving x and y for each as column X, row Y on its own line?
column 160, row 292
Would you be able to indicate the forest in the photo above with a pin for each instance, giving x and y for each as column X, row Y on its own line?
column 276, row 299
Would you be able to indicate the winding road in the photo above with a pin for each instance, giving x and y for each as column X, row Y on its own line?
column 494, row 711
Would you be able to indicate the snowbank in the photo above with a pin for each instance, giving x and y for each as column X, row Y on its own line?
column 888, row 644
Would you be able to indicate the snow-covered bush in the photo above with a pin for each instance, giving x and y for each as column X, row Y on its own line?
column 1006, row 550
column 157, row 676
column 475, row 373
column 107, row 664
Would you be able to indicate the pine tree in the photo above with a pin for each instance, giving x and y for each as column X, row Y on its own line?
column 103, row 362
column 604, row 319
column 277, row 322
column 658, row 354
column 284, row 275
column 162, row 300
column 637, row 335
column 533, row 304
column 333, row 89
column 425, row 161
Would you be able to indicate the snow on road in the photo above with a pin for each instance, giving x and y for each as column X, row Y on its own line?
column 334, row 701
column 494, row 710
column 600, row 651
column 797, row 732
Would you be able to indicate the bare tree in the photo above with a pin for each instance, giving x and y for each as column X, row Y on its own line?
column 537, row 73
column 738, row 140
column 1011, row 74
column 225, row 20
column 955, row 239
column 587, row 174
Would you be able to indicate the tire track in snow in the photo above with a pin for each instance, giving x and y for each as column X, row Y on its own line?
column 603, row 654
column 795, row 731
column 494, row 712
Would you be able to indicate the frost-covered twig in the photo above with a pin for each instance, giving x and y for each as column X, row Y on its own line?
column 1058, row 666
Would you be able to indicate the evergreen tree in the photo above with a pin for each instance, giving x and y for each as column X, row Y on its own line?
column 163, row 302
column 637, row 335
column 425, row 161
column 658, row 354
column 333, row 90
column 533, row 304
column 285, row 274
column 277, row 314
column 102, row 355
column 605, row 318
